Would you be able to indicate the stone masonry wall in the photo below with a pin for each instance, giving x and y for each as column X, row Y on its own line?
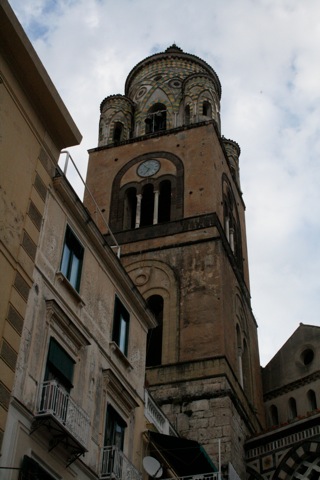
column 204, row 410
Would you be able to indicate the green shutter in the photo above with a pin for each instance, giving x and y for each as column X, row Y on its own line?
column 60, row 361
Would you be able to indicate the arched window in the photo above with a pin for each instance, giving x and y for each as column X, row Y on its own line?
column 156, row 118
column 206, row 109
column 164, row 201
column 130, row 208
column 246, row 370
column 154, row 338
column 187, row 115
column 147, row 205
column 274, row 417
column 292, row 408
column 232, row 227
column 312, row 400
column 239, row 355
column 117, row 132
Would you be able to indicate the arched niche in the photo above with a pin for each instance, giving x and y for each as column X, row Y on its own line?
column 152, row 278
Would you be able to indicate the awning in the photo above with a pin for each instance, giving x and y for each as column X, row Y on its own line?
column 185, row 457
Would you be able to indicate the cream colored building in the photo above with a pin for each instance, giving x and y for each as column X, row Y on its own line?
column 82, row 363
column 73, row 327
column 35, row 126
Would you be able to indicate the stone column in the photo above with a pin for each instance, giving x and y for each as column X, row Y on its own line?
column 240, row 366
column 232, row 239
column 227, row 228
column 138, row 210
column 156, row 207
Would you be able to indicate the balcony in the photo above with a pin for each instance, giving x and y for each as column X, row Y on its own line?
column 155, row 416
column 116, row 466
column 66, row 422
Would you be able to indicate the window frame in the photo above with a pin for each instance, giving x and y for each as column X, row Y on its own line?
column 121, row 324
column 54, row 369
column 115, row 427
column 72, row 258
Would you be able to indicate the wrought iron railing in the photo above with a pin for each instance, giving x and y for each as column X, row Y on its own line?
column 54, row 400
column 115, row 465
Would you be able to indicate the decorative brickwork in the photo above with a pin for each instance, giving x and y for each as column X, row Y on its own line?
column 40, row 187
column 29, row 246
column 35, row 215
column 8, row 355
column 4, row 396
column 15, row 319
column 21, row 286
column 173, row 80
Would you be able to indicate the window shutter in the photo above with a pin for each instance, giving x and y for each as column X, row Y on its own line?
column 61, row 362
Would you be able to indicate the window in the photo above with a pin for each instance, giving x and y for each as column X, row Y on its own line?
column 312, row 400
column 59, row 366
column 187, row 115
column 307, row 356
column 292, row 408
column 31, row 469
column 72, row 257
column 156, row 119
column 117, row 132
column 232, row 227
column 206, row 109
column 154, row 338
column 164, row 202
column 57, row 382
column 274, row 415
column 246, row 369
column 147, row 205
column 114, row 429
column 130, row 208
column 121, row 326
column 113, row 465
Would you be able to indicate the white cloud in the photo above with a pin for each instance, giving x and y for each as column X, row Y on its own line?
column 265, row 53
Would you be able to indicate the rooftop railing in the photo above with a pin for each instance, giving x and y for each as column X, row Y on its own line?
column 155, row 416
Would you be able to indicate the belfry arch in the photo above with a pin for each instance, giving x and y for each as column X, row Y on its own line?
column 150, row 200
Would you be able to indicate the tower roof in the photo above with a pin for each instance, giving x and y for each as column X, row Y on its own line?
column 170, row 53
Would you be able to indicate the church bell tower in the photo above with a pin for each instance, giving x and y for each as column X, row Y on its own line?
column 169, row 186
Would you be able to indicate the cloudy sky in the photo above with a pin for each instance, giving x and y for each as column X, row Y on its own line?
column 267, row 56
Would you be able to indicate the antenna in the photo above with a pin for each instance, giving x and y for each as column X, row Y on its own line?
column 152, row 467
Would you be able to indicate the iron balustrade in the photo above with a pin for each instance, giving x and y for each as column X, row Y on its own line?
column 115, row 465
column 55, row 401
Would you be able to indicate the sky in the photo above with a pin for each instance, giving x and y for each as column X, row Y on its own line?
column 267, row 56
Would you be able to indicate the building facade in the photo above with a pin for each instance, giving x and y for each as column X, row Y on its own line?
column 78, row 398
column 169, row 186
column 35, row 126
column 290, row 447
column 92, row 345
column 73, row 327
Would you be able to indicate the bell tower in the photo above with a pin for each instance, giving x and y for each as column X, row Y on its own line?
column 169, row 186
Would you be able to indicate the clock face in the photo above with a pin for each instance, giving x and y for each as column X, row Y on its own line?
column 148, row 168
